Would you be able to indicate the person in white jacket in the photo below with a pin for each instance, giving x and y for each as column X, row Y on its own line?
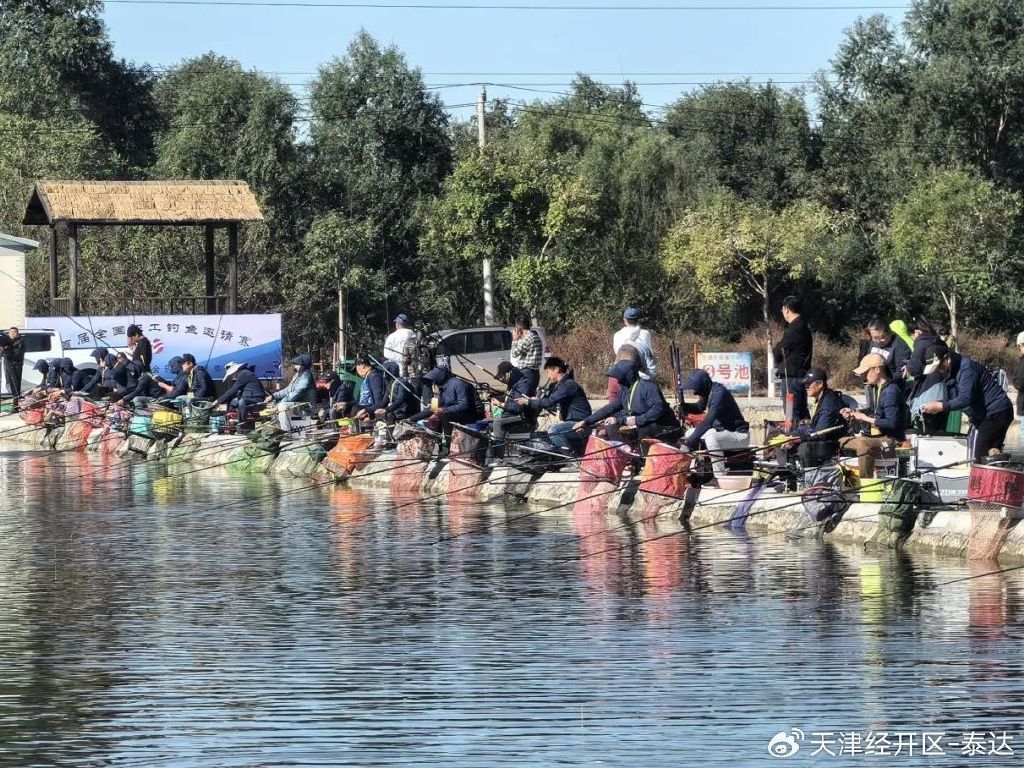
column 394, row 344
column 640, row 339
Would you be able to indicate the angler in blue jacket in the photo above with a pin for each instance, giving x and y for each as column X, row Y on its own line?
column 299, row 394
column 723, row 428
column 569, row 399
column 179, row 384
column 640, row 406
column 457, row 401
column 400, row 397
column 373, row 392
column 245, row 392
column 973, row 390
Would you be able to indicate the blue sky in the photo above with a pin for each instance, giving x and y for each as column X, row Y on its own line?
column 781, row 45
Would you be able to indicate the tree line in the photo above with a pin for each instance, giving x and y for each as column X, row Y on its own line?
column 891, row 185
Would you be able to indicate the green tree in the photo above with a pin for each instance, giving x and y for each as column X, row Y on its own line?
column 955, row 230
column 379, row 151
column 755, row 141
column 735, row 249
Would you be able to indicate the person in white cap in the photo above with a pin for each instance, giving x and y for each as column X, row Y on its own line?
column 394, row 344
column 1018, row 383
column 246, row 391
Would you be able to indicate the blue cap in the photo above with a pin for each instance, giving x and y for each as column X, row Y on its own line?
column 631, row 314
column 403, row 319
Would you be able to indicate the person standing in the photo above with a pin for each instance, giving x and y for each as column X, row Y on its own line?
column 142, row 349
column 793, row 358
column 394, row 344
column 633, row 335
column 14, row 363
column 1018, row 383
column 526, row 355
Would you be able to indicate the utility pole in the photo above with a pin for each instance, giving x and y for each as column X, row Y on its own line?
column 481, row 127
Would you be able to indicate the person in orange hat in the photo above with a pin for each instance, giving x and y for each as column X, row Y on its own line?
column 888, row 422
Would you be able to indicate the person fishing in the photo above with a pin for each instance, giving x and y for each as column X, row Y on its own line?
column 145, row 389
column 639, row 408
column 888, row 420
column 723, row 427
column 177, row 391
column 507, row 413
column 457, row 402
column 973, row 390
column 569, row 400
column 817, row 440
column 246, row 390
column 200, row 383
column 373, row 391
column 400, row 400
column 300, row 392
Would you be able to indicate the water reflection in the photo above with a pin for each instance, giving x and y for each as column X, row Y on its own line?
column 215, row 619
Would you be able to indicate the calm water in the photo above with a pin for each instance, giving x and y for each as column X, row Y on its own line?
column 210, row 620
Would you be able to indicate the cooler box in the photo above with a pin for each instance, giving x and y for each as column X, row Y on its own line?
column 934, row 455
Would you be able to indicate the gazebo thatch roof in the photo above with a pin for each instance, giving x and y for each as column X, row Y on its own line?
column 142, row 202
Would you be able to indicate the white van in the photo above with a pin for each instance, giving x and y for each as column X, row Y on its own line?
column 475, row 353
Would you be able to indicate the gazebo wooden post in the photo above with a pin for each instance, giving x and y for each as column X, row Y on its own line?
column 211, row 300
column 232, row 268
column 73, row 269
column 53, row 270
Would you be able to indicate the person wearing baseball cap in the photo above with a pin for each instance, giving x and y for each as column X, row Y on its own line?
column 394, row 344
column 973, row 390
column 819, row 436
column 888, row 421
column 1018, row 383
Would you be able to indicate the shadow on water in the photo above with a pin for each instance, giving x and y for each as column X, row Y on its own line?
column 217, row 619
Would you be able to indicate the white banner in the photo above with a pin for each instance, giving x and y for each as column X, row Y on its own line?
column 214, row 340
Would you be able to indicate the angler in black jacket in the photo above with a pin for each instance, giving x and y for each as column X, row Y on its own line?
column 200, row 383
column 723, row 428
column 245, row 392
column 14, row 362
column 399, row 400
column 826, row 414
column 640, row 406
column 457, row 401
column 520, row 384
column 142, row 349
column 146, row 387
column 793, row 358
column 570, row 400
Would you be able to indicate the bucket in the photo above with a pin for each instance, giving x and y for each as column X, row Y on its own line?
column 996, row 485
column 140, row 425
column 872, row 490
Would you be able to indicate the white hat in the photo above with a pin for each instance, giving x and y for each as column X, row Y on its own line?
column 231, row 369
column 1020, row 338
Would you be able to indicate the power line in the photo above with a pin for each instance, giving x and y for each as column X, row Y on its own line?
column 505, row 7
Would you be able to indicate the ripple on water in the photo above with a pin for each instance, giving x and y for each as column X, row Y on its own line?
column 210, row 619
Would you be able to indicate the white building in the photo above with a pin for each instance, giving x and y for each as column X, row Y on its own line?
column 12, row 279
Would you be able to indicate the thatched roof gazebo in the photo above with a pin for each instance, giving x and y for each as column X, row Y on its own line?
column 209, row 204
